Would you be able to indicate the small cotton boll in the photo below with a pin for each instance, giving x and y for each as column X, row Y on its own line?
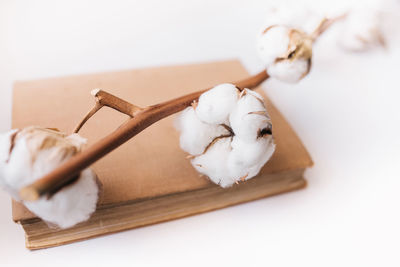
column 72, row 204
column 247, row 158
column 286, row 53
column 361, row 30
column 290, row 71
column 195, row 134
column 249, row 117
column 213, row 163
column 32, row 153
column 215, row 105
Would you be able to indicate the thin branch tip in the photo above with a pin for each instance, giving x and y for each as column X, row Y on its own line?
column 104, row 98
column 94, row 92
column 325, row 24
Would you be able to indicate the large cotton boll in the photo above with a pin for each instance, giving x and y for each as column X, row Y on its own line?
column 290, row 71
column 249, row 117
column 213, row 163
column 247, row 158
column 195, row 134
column 273, row 43
column 215, row 105
column 230, row 152
column 34, row 152
column 72, row 204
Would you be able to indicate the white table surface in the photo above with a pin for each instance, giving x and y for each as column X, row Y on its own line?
column 346, row 112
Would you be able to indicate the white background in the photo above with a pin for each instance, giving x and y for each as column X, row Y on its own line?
column 346, row 112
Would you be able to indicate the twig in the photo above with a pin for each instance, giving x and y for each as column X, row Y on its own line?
column 324, row 25
column 141, row 118
column 106, row 99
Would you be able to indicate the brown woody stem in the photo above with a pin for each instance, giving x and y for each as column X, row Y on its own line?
column 106, row 99
column 141, row 118
column 324, row 25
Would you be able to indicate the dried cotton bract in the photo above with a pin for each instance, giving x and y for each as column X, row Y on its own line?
column 28, row 154
column 286, row 52
column 361, row 30
column 228, row 133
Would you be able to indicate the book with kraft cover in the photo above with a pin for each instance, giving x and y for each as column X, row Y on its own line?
column 148, row 179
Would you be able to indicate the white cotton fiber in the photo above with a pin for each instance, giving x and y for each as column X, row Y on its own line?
column 215, row 105
column 249, row 116
column 286, row 53
column 213, row 163
column 247, row 158
column 233, row 152
column 72, row 204
column 33, row 152
column 289, row 71
column 273, row 44
column 76, row 140
column 5, row 146
column 196, row 135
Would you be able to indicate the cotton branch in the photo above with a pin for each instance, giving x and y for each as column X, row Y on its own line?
column 140, row 120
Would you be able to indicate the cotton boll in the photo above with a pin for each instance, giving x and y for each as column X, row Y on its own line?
column 247, row 158
column 26, row 161
column 213, row 163
column 32, row 153
column 195, row 134
column 286, row 52
column 361, row 30
column 72, row 204
column 215, row 105
column 235, row 150
column 249, row 117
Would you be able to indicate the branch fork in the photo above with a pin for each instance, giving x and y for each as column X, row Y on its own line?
column 104, row 98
